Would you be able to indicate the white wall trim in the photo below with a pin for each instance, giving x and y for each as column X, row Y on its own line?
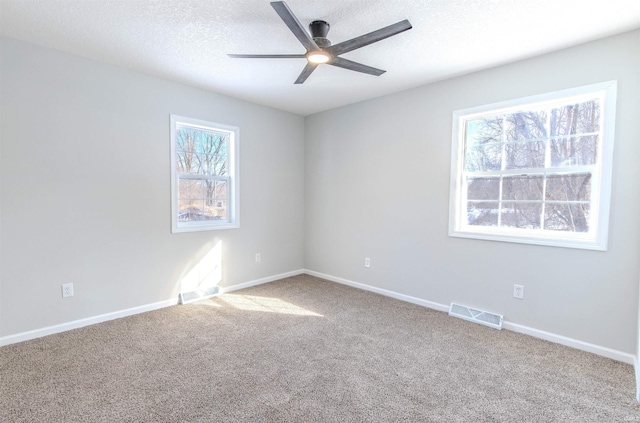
column 570, row 342
column 536, row 333
column 231, row 288
column 385, row 292
column 75, row 324
column 635, row 365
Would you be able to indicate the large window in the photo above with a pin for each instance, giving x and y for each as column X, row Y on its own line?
column 535, row 170
column 204, row 175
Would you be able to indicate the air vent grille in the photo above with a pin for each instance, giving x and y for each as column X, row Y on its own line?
column 478, row 316
column 189, row 297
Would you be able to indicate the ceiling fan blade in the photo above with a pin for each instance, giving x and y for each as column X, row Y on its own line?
column 355, row 66
column 372, row 37
column 267, row 56
column 306, row 72
column 294, row 25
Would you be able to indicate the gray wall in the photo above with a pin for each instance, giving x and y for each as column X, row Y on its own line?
column 85, row 173
column 377, row 185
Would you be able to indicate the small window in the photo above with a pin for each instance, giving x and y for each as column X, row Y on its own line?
column 535, row 170
column 204, row 175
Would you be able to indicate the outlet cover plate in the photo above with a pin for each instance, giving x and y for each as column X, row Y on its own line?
column 67, row 290
column 518, row 291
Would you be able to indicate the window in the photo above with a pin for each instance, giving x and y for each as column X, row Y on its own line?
column 535, row 170
column 204, row 175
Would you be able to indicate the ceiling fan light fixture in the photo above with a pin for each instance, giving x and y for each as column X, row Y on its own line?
column 318, row 57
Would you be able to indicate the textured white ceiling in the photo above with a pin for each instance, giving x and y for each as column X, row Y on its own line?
column 187, row 41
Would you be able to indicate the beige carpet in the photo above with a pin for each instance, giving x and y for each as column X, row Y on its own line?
column 306, row 350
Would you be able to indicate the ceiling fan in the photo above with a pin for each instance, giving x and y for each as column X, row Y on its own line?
column 319, row 48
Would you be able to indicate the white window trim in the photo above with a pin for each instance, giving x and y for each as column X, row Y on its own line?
column 593, row 240
column 233, row 202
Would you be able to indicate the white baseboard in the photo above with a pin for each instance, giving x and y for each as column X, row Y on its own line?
column 635, row 365
column 536, row 333
column 385, row 292
column 63, row 327
column 570, row 342
column 231, row 288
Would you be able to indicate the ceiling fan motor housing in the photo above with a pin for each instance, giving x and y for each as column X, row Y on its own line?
column 319, row 31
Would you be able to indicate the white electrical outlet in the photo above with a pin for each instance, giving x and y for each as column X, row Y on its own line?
column 367, row 262
column 518, row 291
column 257, row 257
column 67, row 290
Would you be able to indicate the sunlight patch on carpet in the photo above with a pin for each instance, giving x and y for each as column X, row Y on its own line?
column 266, row 304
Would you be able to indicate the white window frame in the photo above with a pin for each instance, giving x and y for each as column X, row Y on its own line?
column 596, row 238
column 233, row 200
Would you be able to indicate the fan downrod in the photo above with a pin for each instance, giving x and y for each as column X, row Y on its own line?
column 319, row 31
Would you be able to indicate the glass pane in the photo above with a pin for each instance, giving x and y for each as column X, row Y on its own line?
column 569, row 187
column 529, row 125
column 215, row 209
column 521, row 215
column 488, row 157
column 189, row 188
column 187, row 163
column 580, row 118
column 574, row 151
column 186, row 139
column 521, row 155
column 483, row 131
column 482, row 214
column 211, row 165
column 567, row 217
column 213, row 143
column 483, row 189
column 522, row 188
column 190, row 210
column 220, row 189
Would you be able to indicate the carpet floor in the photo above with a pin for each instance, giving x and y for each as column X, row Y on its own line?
column 306, row 350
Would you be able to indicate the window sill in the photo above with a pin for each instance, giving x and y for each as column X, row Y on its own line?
column 578, row 243
column 200, row 228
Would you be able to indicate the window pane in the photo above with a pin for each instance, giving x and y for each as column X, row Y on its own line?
column 580, row 118
column 221, row 190
column 521, row 215
column 215, row 204
column 211, row 165
column 482, row 214
column 483, row 188
column 189, row 188
column 522, row 188
column 521, row 155
column 567, row 217
column 215, row 209
column 190, row 210
column 187, row 163
column 213, row 143
column 529, row 125
column 483, row 131
column 488, row 157
column 569, row 187
column 186, row 139
column 574, row 151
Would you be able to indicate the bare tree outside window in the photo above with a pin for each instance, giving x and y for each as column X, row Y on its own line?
column 535, row 168
column 533, row 142
column 204, row 175
column 201, row 162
